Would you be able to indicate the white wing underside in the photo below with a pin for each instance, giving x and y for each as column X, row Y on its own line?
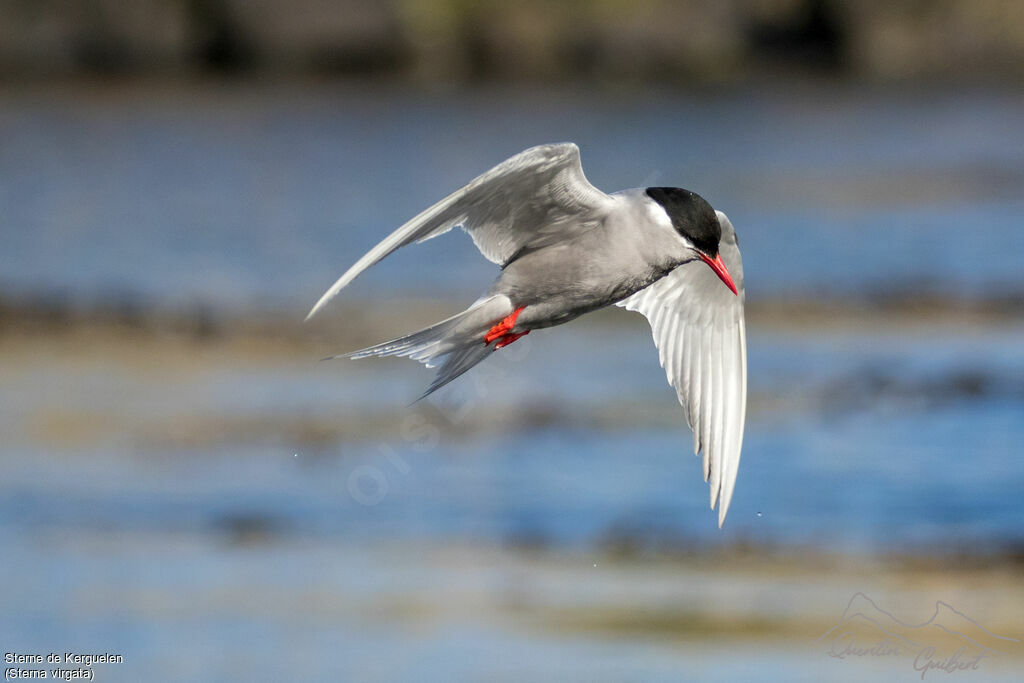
column 525, row 201
column 700, row 333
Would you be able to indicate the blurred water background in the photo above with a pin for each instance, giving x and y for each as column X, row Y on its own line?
column 186, row 484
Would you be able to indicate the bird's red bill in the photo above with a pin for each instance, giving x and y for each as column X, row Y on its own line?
column 716, row 264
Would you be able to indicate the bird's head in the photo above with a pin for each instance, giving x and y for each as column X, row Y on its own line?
column 696, row 222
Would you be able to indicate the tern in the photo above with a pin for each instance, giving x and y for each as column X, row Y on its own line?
column 566, row 248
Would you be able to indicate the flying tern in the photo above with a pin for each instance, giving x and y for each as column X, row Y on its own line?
column 566, row 248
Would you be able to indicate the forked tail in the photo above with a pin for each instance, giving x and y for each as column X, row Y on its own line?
column 456, row 344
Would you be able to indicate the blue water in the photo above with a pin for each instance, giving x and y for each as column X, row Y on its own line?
column 856, row 442
column 197, row 557
column 261, row 196
column 256, row 198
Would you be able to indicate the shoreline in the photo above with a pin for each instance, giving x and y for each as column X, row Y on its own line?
column 436, row 41
column 353, row 321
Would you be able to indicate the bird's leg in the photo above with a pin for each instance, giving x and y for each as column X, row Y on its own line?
column 503, row 330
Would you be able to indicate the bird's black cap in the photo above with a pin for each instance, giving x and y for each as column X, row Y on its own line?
column 691, row 216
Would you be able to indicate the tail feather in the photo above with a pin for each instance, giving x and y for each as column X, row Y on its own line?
column 456, row 344
column 456, row 363
column 418, row 345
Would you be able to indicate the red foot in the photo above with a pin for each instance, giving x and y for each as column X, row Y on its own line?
column 502, row 332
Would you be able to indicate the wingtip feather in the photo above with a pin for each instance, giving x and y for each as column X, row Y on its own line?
column 318, row 305
column 327, row 296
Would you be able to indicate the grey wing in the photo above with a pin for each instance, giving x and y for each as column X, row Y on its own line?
column 522, row 201
column 700, row 333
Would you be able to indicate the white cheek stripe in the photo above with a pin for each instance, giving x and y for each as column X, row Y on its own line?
column 659, row 215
